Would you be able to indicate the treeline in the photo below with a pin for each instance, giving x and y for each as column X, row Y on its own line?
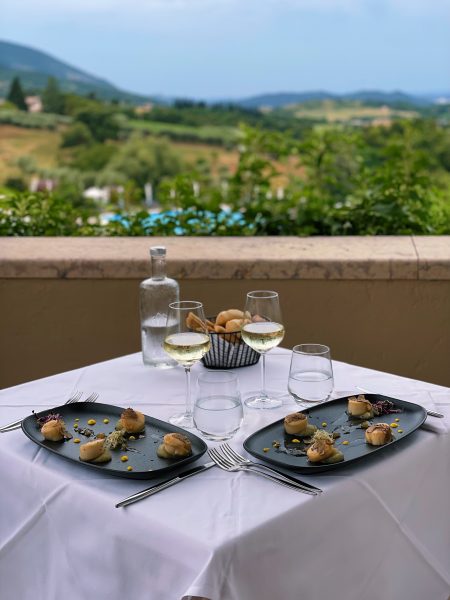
column 348, row 181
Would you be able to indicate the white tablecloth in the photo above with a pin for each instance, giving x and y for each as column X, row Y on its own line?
column 380, row 529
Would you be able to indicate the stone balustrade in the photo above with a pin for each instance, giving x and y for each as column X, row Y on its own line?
column 381, row 302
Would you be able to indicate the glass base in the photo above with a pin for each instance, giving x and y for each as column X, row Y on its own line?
column 258, row 400
column 217, row 438
column 183, row 420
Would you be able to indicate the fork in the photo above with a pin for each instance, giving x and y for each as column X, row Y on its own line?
column 238, row 459
column 430, row 413
column 75, row 398
column 225, row 464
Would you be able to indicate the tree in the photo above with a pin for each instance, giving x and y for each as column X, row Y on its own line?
column 52, row 98
column 76, row 134
column 101, row 120
column 142, row 160
column 16, row 95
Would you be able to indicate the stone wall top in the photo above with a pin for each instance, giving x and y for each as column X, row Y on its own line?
column 365, row 258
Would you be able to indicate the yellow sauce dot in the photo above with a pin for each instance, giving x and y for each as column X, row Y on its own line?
column 77, row 419
column 266, row 449
column 295, row 441
column 76, row 441
column 91, row 422
column 124, row 458
column 324, row 424
column 345, row 443
column 394, row 425
column 397, row 420
column 129, row 468
column 105, row 421
column 132, row 438
column 400, row 430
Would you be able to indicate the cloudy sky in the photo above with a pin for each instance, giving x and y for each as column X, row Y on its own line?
column 235, row 48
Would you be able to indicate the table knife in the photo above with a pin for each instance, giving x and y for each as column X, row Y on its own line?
column 154, row 489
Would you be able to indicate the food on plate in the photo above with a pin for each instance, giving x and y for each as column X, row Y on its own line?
column 131, row 420
column 117, row 439
column 297, row 424
column 359, row 407
column 174, row 445
column 378, row 434
column 95, row 451
column 385, row 407
column 55, row 430
column 322, row 449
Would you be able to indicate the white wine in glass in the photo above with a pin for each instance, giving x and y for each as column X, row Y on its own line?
column 262, row 331
column 186, row 341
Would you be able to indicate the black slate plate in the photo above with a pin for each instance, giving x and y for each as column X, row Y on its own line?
column 334, row 414
column 145, row 462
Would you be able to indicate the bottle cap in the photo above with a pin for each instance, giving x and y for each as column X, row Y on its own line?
column 157, row 251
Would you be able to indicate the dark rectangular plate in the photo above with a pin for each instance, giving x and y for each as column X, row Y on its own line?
column 334, row 414
column 145, row 462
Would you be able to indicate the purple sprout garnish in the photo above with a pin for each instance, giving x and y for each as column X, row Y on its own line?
column 385, row 407
column 40, row 421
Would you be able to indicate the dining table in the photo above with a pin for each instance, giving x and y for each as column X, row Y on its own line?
column 380, row 529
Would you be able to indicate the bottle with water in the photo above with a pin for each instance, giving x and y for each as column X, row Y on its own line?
column 156, row 294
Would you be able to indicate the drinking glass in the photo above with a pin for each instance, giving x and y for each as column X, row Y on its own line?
column 186, row 341
column 262, row 330
column 311, row 373
column 218, row 411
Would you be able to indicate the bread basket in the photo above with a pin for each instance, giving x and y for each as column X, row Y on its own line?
column 229, row 351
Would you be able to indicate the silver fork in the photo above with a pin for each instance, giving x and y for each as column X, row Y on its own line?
column 225, row 464
column 75, row 398
column 430, row 413
column 238, row 459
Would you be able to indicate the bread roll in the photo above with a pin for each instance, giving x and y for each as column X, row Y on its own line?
column 195, row 323
column 228, row 315
column 234, row 325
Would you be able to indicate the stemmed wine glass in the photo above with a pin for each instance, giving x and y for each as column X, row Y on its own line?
column 262, row 331
column 186, row 341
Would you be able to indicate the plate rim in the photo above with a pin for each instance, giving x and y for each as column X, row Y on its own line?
column 313, row 469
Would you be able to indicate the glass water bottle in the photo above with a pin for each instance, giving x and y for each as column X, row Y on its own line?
column 156, row 294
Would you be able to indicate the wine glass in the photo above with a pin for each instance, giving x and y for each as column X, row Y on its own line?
column 186, row 341
column 262, row 330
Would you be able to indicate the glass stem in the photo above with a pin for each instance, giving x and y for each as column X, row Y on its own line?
column 187, row 370
column 263, row 375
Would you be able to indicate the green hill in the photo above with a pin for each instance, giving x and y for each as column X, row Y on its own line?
column 35, row 67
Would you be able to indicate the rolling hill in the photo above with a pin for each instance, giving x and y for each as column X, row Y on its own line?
column 35, row 67
column 282, row 99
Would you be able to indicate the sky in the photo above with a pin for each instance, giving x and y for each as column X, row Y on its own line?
column 217, row 49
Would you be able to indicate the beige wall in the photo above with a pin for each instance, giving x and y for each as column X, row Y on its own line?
column 400, row 326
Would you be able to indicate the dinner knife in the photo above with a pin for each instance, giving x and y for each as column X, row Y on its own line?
column 154, row 489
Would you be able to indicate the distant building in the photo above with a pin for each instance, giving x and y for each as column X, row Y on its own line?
column 144, row 109
column 41, row 185
column 34, row 104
